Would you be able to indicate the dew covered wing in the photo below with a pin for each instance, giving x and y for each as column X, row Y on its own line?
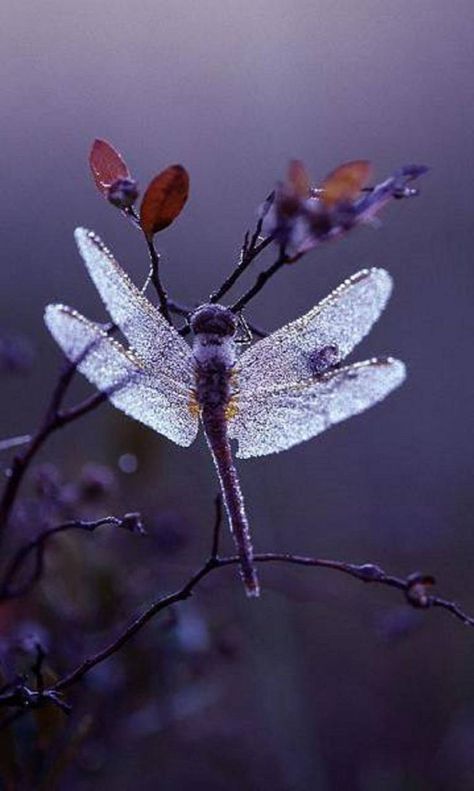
column 130, row 385
column 341, row 320
column 275, row 418
column 149, row 334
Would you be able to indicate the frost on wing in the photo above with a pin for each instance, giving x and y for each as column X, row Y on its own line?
column 122, row 375
column 275, row 418
column 339, row 322
column 157, row 343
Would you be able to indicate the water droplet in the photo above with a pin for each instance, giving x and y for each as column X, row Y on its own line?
column 128, row 463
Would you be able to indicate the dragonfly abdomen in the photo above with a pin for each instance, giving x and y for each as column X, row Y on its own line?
column 215, row 428
column 213, row 384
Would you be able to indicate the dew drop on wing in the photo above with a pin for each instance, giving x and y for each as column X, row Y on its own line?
column 351, row 373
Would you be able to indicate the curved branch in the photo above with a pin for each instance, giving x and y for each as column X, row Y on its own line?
column 54, row 419
column 250, row 250
column 36, row 547
column 415, row 588
column 262, row 278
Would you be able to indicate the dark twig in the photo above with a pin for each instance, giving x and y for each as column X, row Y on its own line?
column 27, row 699
column 66, row 416
column 248, row 253
column 415, row 588
column 135, row 626
column 36, row 547
column 154, row 276
column 21, row 462
column 262, row 278
column 257, row 331
column 37, row 668
column 156, row 279
column 246, row 258
column 179, row 309
column 250, row 250
column 366, row 572
column 54, row 419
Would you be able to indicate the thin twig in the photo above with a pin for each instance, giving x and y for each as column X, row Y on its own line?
column 56, row 418
column 155, row 259
column 250, row 250
column 53, row 420
column 37, row 668
column 415, row 588
column 262, row 278
column 179, row 309
column 366, row 572
column 135, row 626
column 37, row 545
column 14, row 442
column 245, row 260
column 156, row 279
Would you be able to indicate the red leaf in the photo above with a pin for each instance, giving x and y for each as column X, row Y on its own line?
column 164, row 199
column 106, row 165
column 298, row 178
column 345, row 182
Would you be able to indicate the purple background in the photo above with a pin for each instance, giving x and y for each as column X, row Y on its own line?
column 318, row 696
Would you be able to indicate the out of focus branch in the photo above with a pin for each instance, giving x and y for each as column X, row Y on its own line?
column 55, row 417
column 415, row 588
column 36, row 548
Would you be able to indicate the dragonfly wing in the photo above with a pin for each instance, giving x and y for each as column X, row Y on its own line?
column 128, row 382
column 275, row 418
column 341, row 321
column 142, row 324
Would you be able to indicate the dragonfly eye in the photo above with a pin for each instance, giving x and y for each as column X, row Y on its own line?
column 214, row 319
column 323, row 359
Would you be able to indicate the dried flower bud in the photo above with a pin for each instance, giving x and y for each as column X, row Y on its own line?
column 417, row 592
column 97, row 481
column 123, row 193
column 133, row 523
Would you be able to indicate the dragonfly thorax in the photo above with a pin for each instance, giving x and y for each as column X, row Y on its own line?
column 215, row 320
column 214, row 352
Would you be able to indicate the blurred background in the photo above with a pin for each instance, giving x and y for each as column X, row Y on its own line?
column 324, row 683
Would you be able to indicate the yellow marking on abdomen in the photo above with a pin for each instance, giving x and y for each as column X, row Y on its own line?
column 231, row 409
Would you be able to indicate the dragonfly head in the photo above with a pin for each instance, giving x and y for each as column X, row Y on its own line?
column 214, row 320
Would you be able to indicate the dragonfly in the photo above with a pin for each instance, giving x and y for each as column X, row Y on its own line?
column 280, row 391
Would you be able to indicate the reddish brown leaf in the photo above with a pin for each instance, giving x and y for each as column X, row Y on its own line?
column 345, row 182
column 298, row 178
column 106, row 165
column 164, row 199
